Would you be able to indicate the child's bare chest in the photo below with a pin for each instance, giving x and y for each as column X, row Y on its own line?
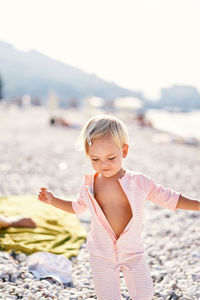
column 114, row 204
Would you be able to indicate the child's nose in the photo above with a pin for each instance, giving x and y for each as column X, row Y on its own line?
column 104, row 164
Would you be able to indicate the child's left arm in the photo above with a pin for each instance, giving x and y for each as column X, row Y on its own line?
column 188, row 204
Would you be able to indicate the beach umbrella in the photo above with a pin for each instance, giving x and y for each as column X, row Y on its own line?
column 95, row 101
column 128, row 103
column 52, row 101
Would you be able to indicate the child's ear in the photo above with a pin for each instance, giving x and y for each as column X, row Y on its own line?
column 125, row 150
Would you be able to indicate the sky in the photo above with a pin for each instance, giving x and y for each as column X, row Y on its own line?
column 142, row 45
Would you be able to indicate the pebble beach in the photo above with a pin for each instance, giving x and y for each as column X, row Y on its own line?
column 35, row 154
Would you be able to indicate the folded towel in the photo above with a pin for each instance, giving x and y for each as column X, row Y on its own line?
column 44, row 264
column 57, row 231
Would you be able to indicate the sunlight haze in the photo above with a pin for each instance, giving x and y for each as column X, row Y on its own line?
column 140, row 45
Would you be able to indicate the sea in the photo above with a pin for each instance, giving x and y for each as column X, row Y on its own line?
column 184, row 124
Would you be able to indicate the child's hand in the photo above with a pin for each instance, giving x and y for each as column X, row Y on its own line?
column 45, row 196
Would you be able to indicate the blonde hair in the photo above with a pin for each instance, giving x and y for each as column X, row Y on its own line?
column 102, row 125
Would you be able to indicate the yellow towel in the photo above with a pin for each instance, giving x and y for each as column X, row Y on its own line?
column 57, row 231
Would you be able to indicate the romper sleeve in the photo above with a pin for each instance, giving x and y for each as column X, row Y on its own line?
column 160, row 195
column 79, row 205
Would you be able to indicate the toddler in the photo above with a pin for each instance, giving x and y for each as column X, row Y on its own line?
column 115, row 197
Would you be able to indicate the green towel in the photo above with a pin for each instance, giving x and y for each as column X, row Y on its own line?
column 57, row 231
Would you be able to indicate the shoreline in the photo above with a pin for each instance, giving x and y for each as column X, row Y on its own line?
column 182, row 125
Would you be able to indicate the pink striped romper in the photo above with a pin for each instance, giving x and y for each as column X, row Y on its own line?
column 109, row 254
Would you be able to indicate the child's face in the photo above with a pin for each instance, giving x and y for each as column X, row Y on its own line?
column 106, row 156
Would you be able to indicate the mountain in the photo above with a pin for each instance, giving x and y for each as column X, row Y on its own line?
column 184, row 96
column 177, row 97
column 37, row 74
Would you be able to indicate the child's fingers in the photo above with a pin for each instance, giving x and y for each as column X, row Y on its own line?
column 43, row 189
column 44, row 194
column 41, row 195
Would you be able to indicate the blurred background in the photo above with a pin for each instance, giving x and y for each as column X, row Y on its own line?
column 136, row 57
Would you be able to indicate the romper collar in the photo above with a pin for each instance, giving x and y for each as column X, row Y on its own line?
column 90, row 177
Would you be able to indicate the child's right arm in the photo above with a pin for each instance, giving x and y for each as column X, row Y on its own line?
column 49, row 198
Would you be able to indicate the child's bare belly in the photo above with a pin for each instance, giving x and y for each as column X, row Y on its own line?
column 118, row 218
column 115, row 207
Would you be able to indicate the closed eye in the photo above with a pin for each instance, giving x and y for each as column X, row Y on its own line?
column 110, row 158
